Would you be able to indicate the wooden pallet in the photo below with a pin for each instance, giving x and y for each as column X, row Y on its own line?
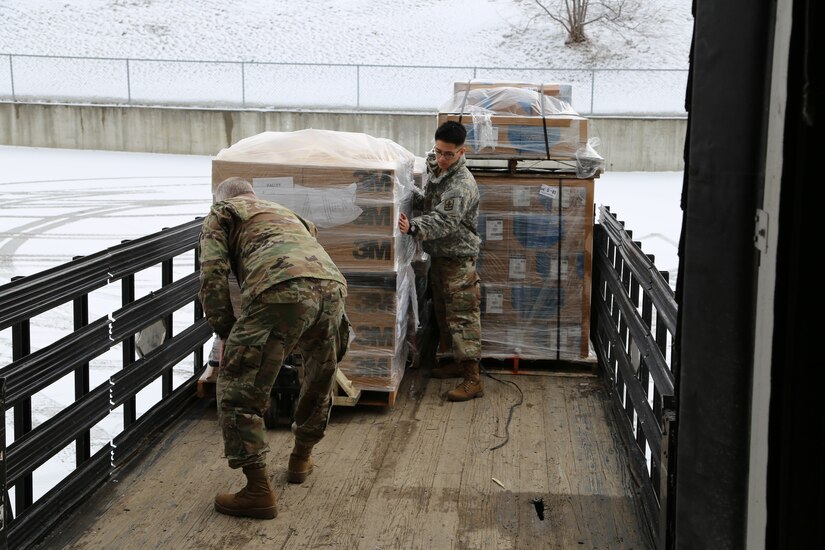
column 378, row 398
column 346, row 394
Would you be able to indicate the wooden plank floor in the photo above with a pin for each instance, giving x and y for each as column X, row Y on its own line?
column 419, row 475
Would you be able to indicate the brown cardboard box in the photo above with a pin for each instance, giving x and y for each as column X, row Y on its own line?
column 539, row 341
column 378, row 307
column 536, row 255
column 510, row 197
column 531, row 206
column 534, row 268
column 547, row 233
column 371, row 184
column 352, row 187
column 551, row 137
column 354, row 209
column 493, row 265
column 535, row 195
column 524, row 302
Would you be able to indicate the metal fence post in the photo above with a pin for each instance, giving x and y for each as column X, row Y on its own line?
column 128, row 84
column 80, row 310
column 21, row 347
column 11, row 76
column 592, row 89
column 243, row 84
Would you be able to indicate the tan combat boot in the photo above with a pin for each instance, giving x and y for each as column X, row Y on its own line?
column 453, row 369
column 471, row 387
column 256, row 500
column 300, row 463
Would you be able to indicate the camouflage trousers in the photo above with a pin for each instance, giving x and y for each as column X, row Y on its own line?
column 456, row 290
column 297, row 316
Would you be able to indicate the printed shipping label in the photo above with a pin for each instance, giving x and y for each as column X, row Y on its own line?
column 495, row 302
column 548, row 191
column 495, row 229
column 518, row 267
column 261, row 185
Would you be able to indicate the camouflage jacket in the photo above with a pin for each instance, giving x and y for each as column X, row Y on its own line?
column 448, row 225
column 264, row 244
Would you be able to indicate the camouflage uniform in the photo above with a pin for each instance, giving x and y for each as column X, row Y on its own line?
column 292, row 300
column 447, row 229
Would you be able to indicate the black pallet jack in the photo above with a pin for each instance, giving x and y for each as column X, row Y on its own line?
column 283, row 399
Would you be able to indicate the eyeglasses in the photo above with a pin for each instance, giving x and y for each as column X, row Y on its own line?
column 449, row 155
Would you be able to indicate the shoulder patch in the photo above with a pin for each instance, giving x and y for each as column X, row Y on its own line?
column 449, row 204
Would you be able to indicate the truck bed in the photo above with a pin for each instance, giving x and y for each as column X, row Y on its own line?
column 420, row 474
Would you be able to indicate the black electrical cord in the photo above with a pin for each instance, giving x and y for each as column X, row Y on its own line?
column 511, row 411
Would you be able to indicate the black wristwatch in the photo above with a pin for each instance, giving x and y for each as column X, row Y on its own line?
column 412, row 230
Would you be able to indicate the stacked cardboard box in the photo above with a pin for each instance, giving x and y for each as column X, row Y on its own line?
column 535, row 264
column 494, row 136
column 379, row 309
column 517, row 120
column 352, row 186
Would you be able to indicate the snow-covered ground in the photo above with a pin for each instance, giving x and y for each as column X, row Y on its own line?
column 498, row 33
column 335, row 54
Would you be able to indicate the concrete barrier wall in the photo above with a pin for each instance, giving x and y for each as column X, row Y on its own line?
column 627, row 144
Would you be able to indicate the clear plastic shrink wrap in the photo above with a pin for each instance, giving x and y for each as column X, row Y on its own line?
column 522, row 121
column 352, row 186
column 535, row 266
column 535, row 220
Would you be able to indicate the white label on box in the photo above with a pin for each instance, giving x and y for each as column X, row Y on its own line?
column 495, row 302
column 518, row 267
column 521, row 196
column 495, row 229
column 261, row 185
column 325, row 207
column 548, row 191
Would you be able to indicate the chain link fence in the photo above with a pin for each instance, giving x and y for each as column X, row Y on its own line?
column 289, row 86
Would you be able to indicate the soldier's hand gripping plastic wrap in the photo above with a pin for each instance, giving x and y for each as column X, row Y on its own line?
column 352, row 186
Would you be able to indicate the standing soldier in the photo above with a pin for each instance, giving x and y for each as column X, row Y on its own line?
column 447, row 231
column 292, row 298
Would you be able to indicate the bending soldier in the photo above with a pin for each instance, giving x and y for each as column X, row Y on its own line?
column 292, row 300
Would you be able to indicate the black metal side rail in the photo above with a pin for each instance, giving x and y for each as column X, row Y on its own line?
column 633, row 322
column 30, row 372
